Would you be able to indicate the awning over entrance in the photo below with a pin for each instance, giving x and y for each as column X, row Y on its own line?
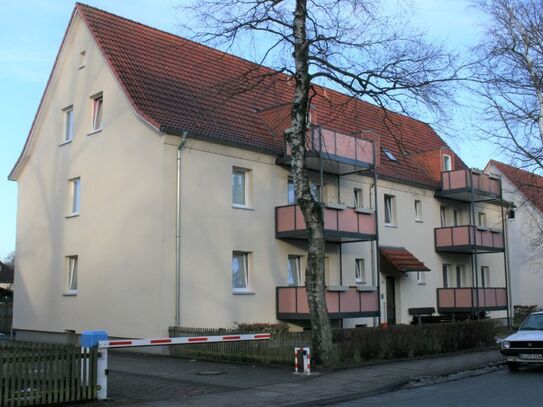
column 396, row 260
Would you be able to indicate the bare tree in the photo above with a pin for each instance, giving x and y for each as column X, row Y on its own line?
column 352, row 45
column 509, row 77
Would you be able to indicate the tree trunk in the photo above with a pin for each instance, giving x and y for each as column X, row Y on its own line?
column 312, row 210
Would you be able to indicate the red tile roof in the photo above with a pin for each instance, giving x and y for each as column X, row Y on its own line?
column 530, row 184
column 401, row 259
column 176, row 84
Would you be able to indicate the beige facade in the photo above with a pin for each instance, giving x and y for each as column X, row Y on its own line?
column 123, row 233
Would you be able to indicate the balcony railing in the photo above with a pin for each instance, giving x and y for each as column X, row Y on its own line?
column 468, row 239
column 465, row 299
column 349, row 302
column 464, row 185
column 339, row 224
column 339, row 153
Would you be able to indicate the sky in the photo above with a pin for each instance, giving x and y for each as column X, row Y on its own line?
column 31, row 32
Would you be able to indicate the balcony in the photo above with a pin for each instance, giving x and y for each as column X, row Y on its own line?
column 465, row 299
column 339, row 153
column 340, row 225
column 463, row 185
column 344, row 302
column 468, row 239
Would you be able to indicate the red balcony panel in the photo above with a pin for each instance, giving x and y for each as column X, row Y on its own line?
column 465, row 299
column 467, row 239
column 349, row 303
column 339, row 224
column 465, row 185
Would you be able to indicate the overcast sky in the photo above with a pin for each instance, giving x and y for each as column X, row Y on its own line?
column 31, row 32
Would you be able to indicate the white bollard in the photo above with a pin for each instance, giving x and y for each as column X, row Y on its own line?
column 296, row 360
column 307, row 360
column 101, row 377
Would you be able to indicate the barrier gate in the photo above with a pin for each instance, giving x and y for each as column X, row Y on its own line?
column 98, row 339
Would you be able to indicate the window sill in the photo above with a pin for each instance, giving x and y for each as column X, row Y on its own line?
column 483, row 228
column 367, row 211
column 72, row 215
column 94, row 132
column 243, row 292
column 365, row 287
column 247, row 208
column 69, row 294
column 65, row 142
column 421, row 283
column 390, row 225
column 336, row 205
column 419, row 221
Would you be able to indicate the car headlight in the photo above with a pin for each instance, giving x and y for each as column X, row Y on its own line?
column 506, row 345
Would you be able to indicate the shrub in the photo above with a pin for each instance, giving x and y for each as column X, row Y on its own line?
column 274, row 329
column 362, row 344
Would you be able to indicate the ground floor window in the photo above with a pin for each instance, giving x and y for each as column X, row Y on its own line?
column 240, row 271
column 71, row 275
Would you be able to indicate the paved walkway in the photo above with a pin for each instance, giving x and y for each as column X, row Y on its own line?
column 144, row 380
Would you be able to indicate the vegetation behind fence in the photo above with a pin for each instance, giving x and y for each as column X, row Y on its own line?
column 6, row 310
column 44, row 374
column 353, row 346
column 278, row 350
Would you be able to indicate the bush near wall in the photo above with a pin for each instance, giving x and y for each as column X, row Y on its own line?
column 353, row 346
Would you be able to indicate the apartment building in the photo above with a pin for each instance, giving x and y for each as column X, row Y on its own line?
column 151, row 192
column 524, row 191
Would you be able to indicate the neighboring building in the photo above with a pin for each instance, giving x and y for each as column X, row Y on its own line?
column 524, row 232
column 107, row 179
column 6, row 275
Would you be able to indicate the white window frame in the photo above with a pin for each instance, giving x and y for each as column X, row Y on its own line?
column 246, row 188
column 360, row 276
column 245, row 259
column 358, row 194
column 421, row 278
column 462, row 280
column 447, row 162
column 481, row 219
column 391, row 209
column 72, row 266
column 418, row 210
column 68, row 124
column 485, row 277
column 443, row 216
column 448, row 276
column 291, row 192
column 97, row 112
column 75, row 196
column 296, row 273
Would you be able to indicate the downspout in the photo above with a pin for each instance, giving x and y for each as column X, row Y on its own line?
column 178, row 233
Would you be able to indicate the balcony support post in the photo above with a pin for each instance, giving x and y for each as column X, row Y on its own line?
column 474, row 266
column 506, row 262
column 375, row 246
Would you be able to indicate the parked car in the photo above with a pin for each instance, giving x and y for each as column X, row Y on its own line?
column 526, row 345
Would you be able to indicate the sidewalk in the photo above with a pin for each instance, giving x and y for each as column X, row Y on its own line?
column 143, row 380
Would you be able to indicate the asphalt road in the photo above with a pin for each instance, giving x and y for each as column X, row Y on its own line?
column 500, row 388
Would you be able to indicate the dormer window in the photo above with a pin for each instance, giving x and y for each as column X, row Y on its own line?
column 447, row 163
column 389, row 155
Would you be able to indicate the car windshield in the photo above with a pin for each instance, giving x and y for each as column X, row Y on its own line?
column 533, row 323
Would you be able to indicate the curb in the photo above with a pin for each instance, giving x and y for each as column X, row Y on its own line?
column 406, row 383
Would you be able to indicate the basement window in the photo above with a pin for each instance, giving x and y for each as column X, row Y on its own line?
column 389, row 155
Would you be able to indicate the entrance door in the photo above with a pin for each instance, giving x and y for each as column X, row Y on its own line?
column 391, row 300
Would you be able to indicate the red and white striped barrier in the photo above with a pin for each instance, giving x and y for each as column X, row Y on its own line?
column 103, row 346
column 185, row 340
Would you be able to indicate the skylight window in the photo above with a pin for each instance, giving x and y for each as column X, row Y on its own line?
column 389, row 154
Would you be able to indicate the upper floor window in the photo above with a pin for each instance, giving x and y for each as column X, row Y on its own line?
column 443, row 216
column 240, row 271
column 485, row 276
column 291, row 192
column 421, row 278
column 447, row 162
column 456, row 217
column 418, row 210
column 389, row 155
column 240, row 187
column 360, row 271
column 294, row 270
column 390, row 208
column 71, row 274
column 316, row 191
column 463, row 278
column 75, row 196
column 358, row 198
column 481, row 218
column 448, row 277
column 68, row 123
column 97, row 111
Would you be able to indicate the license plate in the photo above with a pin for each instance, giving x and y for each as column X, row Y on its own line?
column 530, row 356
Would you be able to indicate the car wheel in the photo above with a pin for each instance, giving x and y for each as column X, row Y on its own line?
column 513, row 366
